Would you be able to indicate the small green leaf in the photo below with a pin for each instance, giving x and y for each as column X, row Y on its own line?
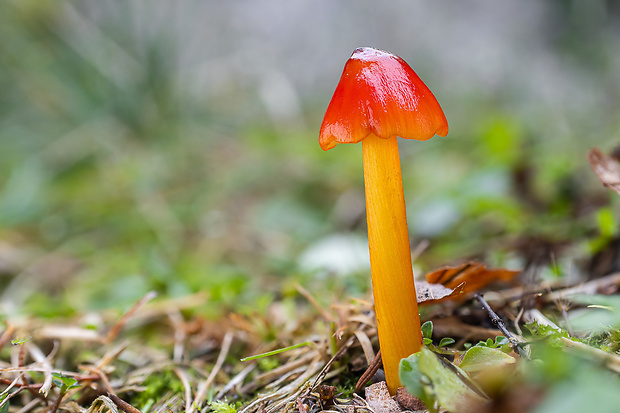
column 427, row 329
column 501, row 341
column 405, row 365
column 446, row 341
column 222, row 407
column 20, row 341
column 480, row 358
column 412, row 378
column 64, row 383
column 437, row 380
column 427, row 341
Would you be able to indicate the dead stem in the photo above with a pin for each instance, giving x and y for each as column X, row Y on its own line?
column 20, row 363
column 122, row 404
column 499, row 323
column 372, row 369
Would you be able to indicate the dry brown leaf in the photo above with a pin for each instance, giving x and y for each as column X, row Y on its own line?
column 432, row 293
column 606, row 168
column 470, row 276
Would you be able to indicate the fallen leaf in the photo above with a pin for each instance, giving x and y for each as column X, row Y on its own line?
column 606, row 168
column 431, row 293
column 470, row 276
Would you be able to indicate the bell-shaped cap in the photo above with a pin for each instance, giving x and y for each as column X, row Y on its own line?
column 380, row 94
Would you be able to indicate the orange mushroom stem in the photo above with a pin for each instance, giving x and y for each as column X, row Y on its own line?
column 379, row 97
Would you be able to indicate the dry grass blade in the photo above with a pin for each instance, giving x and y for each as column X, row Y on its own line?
column 204, row 387
column 235, row 381
column 287, row 394
column 364, row 341
column 29, row 406
column 118, row 326
column 6, row 395
column 46, row 364
column 324, row 313
column 112, row 355
column 176, row 319
column 182, row 375
column 331, row 361
column 284, row 369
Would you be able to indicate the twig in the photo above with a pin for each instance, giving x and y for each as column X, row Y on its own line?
column 56, row 404
column 499, row 323
column 20, row 363
column 370, row 371
column 7, row 394
column 35, row 386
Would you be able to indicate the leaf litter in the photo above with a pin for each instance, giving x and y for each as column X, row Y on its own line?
column 111, row 367
column 315, row 358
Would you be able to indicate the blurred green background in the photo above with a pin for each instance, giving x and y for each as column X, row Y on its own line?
column 173, row 146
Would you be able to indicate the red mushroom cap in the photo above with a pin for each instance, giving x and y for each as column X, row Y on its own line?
column 380, row 94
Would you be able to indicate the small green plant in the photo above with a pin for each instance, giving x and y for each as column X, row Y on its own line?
column 438, row 382
column 427, row 333
column 222, row 407
column 500, row 343
column 64, row 383
column 154, row 387
column 20, row 341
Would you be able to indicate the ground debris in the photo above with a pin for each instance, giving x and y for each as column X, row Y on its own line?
column 379, row 399
column 607, row 168
column 408, row 402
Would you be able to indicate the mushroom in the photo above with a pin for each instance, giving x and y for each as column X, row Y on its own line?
column 378, row 98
